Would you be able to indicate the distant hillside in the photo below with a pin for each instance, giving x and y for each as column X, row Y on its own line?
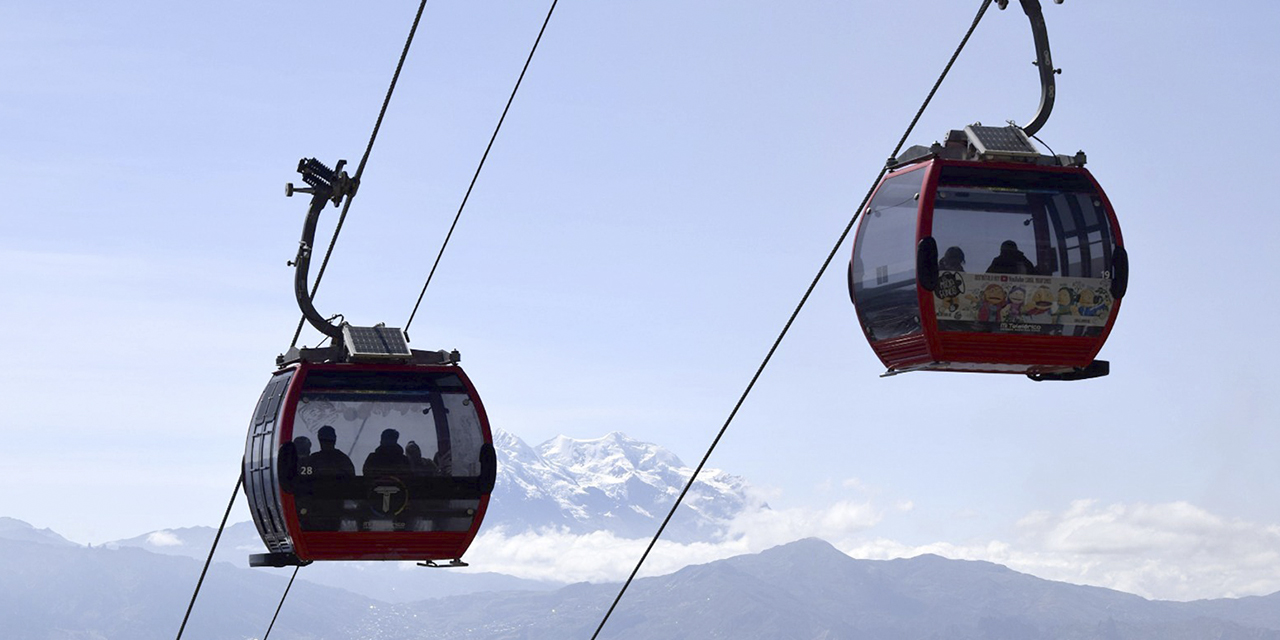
column 12, row 529
column 384, row 581
column 810, row 590
column 804, row 590
column 80, row 593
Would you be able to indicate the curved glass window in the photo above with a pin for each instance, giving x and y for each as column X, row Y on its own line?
column 1021, row 252
column 261, row 487
column 380, row 451
column 884, row 260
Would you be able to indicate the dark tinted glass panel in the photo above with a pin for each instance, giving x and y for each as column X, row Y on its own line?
column 884, row 260
column 387, row 452
column 1021, row 252
column 261, row 488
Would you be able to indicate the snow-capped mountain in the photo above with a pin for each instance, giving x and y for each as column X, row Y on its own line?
column 615, row 483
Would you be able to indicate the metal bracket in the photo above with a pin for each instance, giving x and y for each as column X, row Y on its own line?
column 1043, row 61
column 338, row 353
column 1095, row 369
column 456, row 562
column 327, row 185
column 277, row 559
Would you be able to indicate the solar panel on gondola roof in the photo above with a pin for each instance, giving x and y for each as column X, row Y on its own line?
column 1004, row 141
column 375, row 341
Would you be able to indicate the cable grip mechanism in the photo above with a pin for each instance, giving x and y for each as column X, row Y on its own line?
column 325, row 185
column 329, row 184
column 1044, row 61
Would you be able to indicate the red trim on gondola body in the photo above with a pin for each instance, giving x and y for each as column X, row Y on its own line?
column 375, row 545
column 911, row 348
column 924, row 227
column 933, row 349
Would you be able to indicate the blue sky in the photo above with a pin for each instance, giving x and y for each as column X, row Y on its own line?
column 668, row 181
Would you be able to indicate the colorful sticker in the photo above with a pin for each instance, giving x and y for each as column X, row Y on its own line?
column 990, row 302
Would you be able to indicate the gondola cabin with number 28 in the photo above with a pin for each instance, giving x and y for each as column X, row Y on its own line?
column 364, row 449
column 369, row 461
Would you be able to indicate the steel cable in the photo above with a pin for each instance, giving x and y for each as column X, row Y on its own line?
column 830, row 256
column 395, row 77
column 281, row 605
column 214, row 547
column 483, row 157
column 319, row 276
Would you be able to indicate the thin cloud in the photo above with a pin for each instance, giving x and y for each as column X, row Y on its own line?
column 1169, row 551
column 163, row 539
column 557, row 555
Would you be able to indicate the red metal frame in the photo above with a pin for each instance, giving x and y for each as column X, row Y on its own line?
column 986, row 352
column 375, row 545
column 912, row 349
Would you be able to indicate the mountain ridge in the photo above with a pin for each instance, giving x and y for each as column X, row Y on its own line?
column 806, row 589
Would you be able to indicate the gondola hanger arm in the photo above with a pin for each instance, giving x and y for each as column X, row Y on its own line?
column 1044, row 61
column 326, row 185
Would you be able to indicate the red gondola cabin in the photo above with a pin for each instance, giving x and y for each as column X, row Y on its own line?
column 368, row 461
column 983, row 255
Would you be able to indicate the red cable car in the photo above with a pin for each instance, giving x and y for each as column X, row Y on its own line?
column 983, row 255
column 368, row 461
column 364, row 449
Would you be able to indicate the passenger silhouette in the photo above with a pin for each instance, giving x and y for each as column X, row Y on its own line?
column 1011, row 261
column 323, row 483
column 952, row 260
column 388, row 459
column 302, row 445
column 329, row 461
column 444, row 462
column 418, row 466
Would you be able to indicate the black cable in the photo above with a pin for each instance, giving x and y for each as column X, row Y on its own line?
column 831, row 256
column 476, row 176
column 363, row 160
column 234, row 492
column 281, row 605
column 1046, row 144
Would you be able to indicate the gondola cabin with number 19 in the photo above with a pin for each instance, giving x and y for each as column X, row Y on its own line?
column 982, row 255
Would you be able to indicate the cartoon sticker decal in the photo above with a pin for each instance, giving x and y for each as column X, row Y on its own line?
column 950, row 287
column 1022, row 303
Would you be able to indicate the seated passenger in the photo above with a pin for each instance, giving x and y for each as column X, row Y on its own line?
column 302, row 445
column 322, row 484
column 952, row 260
column 329, row 461
column 1011, row 261
column 419, row 466
column 388, row 459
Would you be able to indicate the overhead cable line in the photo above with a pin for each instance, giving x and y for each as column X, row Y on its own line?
column 214, row 547
column 297, row 332
column 831, row 256
column 483, row 157
column 281, row 605
column 363, row 160
column 347, row 205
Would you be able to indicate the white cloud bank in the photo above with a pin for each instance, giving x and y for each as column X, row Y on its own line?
column 163, row 538
column 1172, row 551
column 601, row 556
column 1169, row 551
